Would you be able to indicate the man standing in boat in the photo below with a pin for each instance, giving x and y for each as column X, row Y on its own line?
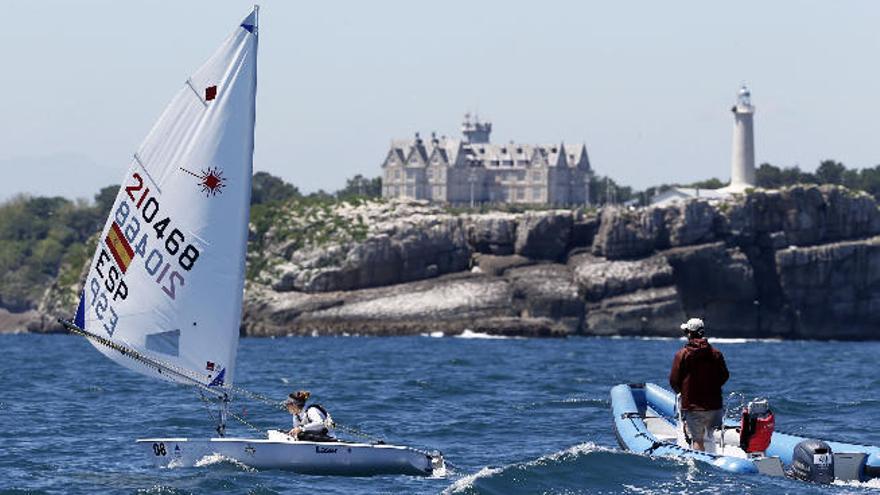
column 698, row 373
column 310, row 423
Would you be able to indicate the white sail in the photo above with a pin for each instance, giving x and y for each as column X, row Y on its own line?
column 168, row 273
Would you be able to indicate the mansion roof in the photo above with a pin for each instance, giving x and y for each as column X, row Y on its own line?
column 450, row 152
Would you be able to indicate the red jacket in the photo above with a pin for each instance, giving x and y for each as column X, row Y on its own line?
column 698, row 372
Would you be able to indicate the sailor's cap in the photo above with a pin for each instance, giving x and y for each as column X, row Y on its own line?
column 693, row 325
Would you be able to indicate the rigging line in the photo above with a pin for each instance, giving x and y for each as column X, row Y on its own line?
column 279, row 405
column 207, row 405
column 245, row 422
column 258, row 397
column 183, row 373
column 159, row 366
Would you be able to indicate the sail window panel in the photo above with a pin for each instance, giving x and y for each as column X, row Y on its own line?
column 164, row 342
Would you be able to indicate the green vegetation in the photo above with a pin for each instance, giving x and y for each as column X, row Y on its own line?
column 770, row 176
column 828, row 172
column 42, row 239
column 360, row 187
column 266, row 188
column 283, row 216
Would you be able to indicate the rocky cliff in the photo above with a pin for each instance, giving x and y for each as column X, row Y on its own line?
column 802, row 262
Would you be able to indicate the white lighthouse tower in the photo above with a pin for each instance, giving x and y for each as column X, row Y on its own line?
column 742, row 166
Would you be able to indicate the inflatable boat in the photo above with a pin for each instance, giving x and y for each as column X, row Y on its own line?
column 645, row 422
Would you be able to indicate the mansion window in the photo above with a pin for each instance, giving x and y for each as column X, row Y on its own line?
column 536, row 194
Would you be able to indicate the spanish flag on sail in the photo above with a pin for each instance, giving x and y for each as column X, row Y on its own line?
column 119, row 247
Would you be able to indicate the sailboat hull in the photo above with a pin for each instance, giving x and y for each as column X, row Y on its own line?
column 321, row 458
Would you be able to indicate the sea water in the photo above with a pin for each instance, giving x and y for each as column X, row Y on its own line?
column 510, row 415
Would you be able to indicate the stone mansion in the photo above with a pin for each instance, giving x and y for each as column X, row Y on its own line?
column 473, row 170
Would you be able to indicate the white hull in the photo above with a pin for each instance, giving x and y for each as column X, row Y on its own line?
column 281, row 452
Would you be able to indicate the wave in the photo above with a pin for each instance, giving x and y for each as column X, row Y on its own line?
column 712, row 340
column 872, row 483
column 470, row 334
column 725, row 340
column 465, row 483
column 630, row 337
column 590, row 468
column 214, row 459
column 543, row 473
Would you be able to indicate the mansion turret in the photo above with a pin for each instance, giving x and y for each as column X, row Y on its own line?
column 473, row 170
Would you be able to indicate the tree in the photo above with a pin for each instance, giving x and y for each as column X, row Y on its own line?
column 768, row 176
column 794, row 175
column 104, row 200
column 869, row 180
column 712, row 183
column 361, row 187
column 267, row 188
column 830, row 172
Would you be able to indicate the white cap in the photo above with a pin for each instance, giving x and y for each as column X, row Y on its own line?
column 693, row 325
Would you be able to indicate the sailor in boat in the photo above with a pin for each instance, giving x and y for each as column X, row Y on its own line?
column 310, row 423
column 698, row 373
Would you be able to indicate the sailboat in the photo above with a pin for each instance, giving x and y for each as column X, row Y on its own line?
column 163, row 294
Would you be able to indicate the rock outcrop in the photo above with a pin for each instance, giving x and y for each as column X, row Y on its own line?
column 422, row 248
column 450, row 304
column 802, row 262
column 599, row 278
column 547, row 290
column 654, row 311
column 544, row 235
column 492, row 233
column 833, row 290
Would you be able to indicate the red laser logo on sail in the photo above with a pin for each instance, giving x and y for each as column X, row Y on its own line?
column 211, row 180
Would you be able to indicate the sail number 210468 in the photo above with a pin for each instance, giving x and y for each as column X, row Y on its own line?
column 158, row 262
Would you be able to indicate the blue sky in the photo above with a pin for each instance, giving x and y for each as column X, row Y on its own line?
column 647, row 85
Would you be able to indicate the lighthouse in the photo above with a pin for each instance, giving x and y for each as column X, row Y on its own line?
column 742, row 166
column 742, row 160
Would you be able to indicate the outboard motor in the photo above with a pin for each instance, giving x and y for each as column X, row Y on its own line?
column 813, row 460
column 756, row 427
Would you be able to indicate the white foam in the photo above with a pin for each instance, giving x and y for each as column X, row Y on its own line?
column 470, row 334
column 712, row 340
column 722, row 340
column 575, row 450
column 174, row 464
column 872, row 483
column 211, row 459
column 435, row 335
column 466, row 482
